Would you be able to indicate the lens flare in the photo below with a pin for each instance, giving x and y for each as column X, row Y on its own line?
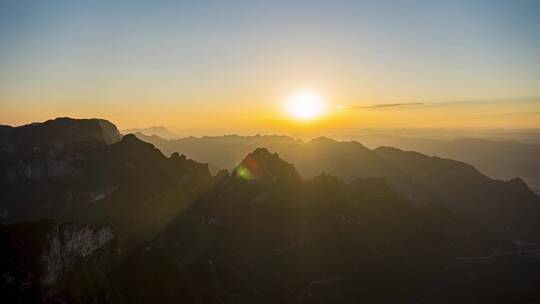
column 243, row 172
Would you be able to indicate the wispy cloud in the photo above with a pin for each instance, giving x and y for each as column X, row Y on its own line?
column 383, row 105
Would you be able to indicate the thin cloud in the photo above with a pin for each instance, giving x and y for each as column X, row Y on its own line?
column 383, row 105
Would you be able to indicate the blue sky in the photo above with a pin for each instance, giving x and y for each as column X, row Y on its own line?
column 200, row 54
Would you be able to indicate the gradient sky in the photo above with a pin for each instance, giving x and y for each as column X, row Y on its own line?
column 228, row 65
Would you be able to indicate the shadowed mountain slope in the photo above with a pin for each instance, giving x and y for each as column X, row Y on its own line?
column 509, row 207
column 69, row 169
column 498, row 159
column 271, row 237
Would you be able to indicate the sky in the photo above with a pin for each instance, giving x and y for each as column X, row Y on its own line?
column 229, row 66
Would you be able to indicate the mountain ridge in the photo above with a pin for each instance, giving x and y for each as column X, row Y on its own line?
column 501, row 159
column 426, row 183
column 132, row 225
column 154, row 130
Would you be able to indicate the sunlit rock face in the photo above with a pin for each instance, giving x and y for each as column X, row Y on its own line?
column 35, row 255
column 67, row 244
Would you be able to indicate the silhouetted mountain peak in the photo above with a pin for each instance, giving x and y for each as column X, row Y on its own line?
column 264, row 153
column 129, row 138
column 100, row 129
column 158, row 131
column 329, row 142
column 263, row 166
column 133, row 143
column 322, row 140
column 59, row 133
column 177, row 155
column 132, row 147
column 519, row 185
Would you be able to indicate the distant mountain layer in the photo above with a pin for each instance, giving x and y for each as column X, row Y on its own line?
column 421, row 179
column 499, row 159
column 158, row 131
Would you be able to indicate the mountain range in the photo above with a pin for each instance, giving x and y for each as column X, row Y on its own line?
column 91, row 216
column 422, row 179
column 156, row 130
column 496, row 158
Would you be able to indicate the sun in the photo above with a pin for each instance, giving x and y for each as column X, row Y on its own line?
column 305, row 105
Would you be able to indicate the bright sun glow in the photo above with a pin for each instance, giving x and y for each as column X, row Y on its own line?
column 305, row 105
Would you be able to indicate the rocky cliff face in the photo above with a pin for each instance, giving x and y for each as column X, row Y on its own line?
column 83, row 170
column 67, row 244
column 51, row 149
column 60, row 133
column 35, row 255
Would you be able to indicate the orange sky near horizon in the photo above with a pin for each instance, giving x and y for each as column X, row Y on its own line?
column 218, row 67
column 269, row 117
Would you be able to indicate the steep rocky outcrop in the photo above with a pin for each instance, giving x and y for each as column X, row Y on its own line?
column 69, row 169
column 67, row 244
column 50, row 150
column 83, row 174
column 60, row 133
column 264, row 167
column 35, row 255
